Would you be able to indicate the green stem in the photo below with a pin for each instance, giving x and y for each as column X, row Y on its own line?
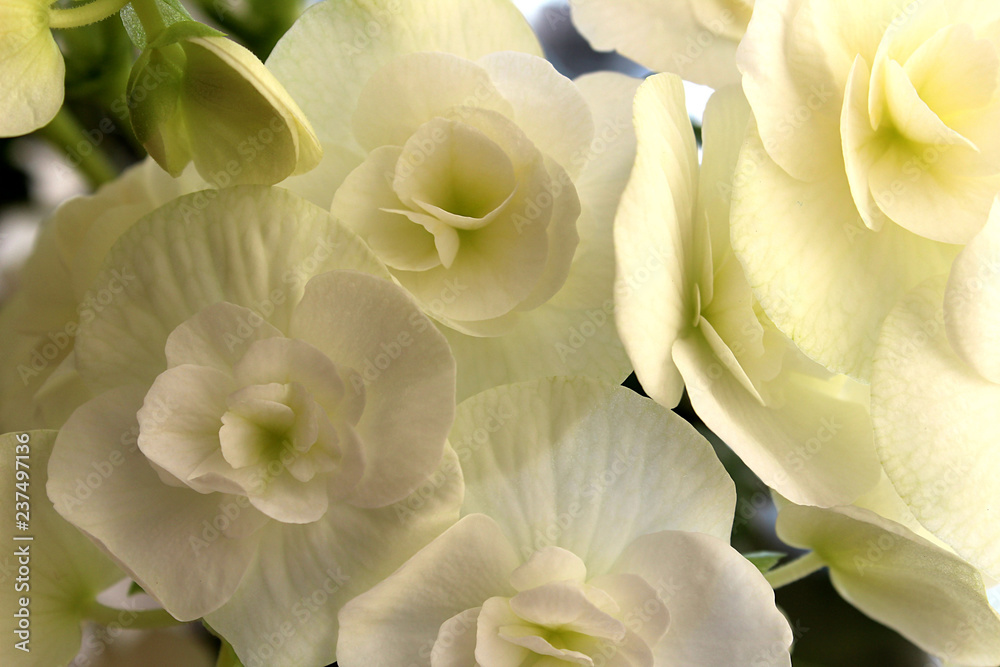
column 150, row 18
column 92, row 12
column 66, row 134
column 797, row 569
column 133, row 620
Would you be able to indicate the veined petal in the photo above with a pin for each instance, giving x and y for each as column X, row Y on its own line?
column 67, row 570
column 31, row 69
column 972, row 301
column 931, row 596
column 559, row 455
column 403, row 366
column 695, row 39
column 935, row 429
column 143, row 523
column 398, row 621
column 350, row 41
column 252, row 246
column 823, row 277
column 711, row 591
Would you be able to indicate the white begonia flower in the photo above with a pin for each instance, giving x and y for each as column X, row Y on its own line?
column 31, row 68
column 484, row 180
column 51, row 581
column 39, row 386
column 264, row 398
column 876, row 149
column 935, row 389
column 695, row 39
column 212, row 102
column 689, row 319
column 595, row 532
column 885, row 564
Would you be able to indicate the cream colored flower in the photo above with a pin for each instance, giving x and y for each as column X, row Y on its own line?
column 559, row 561
column 483, row 179
column 39, row 386
column 263, row 398
column 875, row 150
column 690, row 321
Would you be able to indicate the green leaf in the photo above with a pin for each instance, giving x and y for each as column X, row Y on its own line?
column 764, row 560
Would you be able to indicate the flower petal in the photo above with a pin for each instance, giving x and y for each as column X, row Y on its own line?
column 349, row 41
column 554, row 462
column 32, row 70
column 397, row 622
column 403, row 365
column 935, row 428
column 823, row 277
column 972, row 300
column 217, row 337
column 654, row 232
column 545, row 104
column 712, row 592
column 249, row 245
column 696, row 40
column 175, row 542
column 931, row 596
column 67, row 570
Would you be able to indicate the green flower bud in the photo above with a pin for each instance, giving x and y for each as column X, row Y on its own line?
column 196, row 96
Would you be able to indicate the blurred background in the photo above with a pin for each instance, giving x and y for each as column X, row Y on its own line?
column 37, row 173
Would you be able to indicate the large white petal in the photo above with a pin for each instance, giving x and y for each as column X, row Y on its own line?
column 249, row 245
column 31, row 69
column 187, row 549
column 546, row 105
column 654, row 237
column 806, row 441
column 304, row 575
column 693, row 38
column 931, row 596
column 823, row 277
column 349, row 40
column 972, row 301
column 722, row 610
column 404, row 367
column 556, row 463
column 65, row 570
column 398, row 621
column 936, row 430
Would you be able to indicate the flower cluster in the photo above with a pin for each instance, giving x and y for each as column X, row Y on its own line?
column 337, row 370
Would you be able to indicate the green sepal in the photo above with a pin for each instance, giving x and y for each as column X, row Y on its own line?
column 171, row 11
column 765, row 560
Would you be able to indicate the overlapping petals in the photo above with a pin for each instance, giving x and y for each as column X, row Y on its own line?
column 483, row 179
column 555, row 562
column 257, row 412
column 689, row 318
column 874, row 153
